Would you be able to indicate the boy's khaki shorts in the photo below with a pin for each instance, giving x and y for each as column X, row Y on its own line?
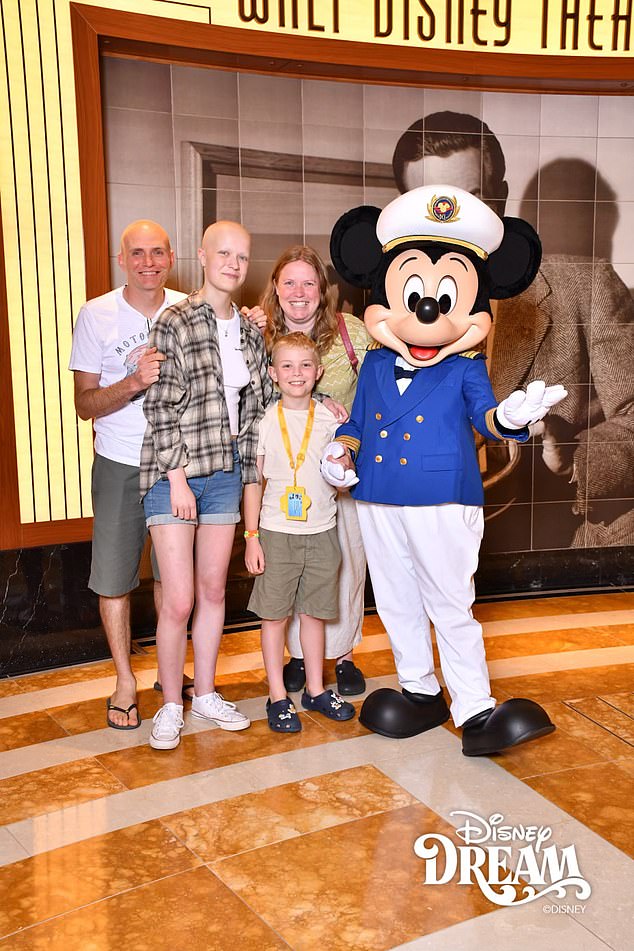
column 301, row 575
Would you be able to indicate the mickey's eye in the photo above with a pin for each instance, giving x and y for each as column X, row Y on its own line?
column 413, row 291
column 447, row 295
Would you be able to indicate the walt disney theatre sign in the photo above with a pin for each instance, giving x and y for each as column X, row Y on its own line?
column 555, row 27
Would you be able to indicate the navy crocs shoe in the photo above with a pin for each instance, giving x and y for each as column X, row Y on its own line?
column 282, row 716
column 330, row 704
column 294, row 674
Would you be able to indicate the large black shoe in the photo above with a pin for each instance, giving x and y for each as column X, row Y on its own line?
column 399, row 715
column 513, row 722
column 294, row 674
column 350, row 680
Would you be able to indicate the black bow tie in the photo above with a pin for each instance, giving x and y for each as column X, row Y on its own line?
column 401, row 373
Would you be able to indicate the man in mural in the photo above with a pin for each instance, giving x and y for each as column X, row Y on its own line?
column 556, row 329
column 113, row 367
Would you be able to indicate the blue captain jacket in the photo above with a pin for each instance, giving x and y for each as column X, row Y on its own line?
column 419, row 448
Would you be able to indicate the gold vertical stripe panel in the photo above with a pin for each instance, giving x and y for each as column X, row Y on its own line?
column 39, row 290
column 44, row 252
column 16, row 186
column 44, row 244
column 78, row 481
column 68, row 255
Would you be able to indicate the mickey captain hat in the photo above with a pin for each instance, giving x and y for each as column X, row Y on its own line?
column 442, row 213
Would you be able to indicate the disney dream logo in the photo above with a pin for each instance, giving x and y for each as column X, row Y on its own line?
column 483, row 860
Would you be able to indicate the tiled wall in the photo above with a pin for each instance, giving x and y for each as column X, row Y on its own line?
column 288, row 156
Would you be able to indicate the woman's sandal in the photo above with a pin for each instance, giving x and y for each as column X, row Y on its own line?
column 282, row 716
column 187, row 692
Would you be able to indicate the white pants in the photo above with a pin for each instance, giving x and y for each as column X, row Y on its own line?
column 343, row 633
column 422, row 560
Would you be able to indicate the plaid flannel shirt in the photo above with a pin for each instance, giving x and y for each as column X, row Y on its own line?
column 188, row 421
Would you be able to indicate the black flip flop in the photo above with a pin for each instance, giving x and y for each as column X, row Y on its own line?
column 186, row 696
column 116, row 726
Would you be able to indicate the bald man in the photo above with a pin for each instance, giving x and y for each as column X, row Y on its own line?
column 113, row 366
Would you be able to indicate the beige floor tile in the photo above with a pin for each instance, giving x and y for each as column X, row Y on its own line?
column 548, row 642
column 344, row 729
column 46, row 790
column 242, row 685
column 600, row 796
column 142, row 765
column 377, row 663
column 10, row 849
column 257, row 819
column 621, row 701
column 191, row 910
column 570, row 684
column 523, row 929
column 60, row 881
column 558, row 751
column 88, row 715
column 10, row 687
column 240, row 642
column 27, row 730
column 572, row 722
column 604, row 714
column 542, row 607
column 357, row 885
column 372, row 624
column 610, row 872
column 66, row 675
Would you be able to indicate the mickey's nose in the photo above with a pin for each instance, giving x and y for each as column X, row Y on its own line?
column 427, row 310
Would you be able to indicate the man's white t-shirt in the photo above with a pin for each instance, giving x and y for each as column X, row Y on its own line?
column 108, row 339
column 322, row 513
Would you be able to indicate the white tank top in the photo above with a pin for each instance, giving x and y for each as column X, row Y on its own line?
column 235, row 372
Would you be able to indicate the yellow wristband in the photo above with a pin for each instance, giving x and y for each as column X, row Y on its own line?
column 254, row 534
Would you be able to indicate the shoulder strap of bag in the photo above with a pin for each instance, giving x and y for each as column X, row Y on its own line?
column 347, row 342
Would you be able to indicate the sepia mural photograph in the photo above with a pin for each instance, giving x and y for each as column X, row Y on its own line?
column 286, row 157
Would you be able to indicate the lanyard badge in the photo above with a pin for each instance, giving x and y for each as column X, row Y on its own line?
column 295, row 503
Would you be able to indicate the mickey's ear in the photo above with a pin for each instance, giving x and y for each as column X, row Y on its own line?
column 355, row 250
column 515, row 263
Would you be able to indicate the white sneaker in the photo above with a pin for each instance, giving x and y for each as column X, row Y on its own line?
column 213, row 706
column 167, row 726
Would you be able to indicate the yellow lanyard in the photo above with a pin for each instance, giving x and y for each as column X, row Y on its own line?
column 301, row 455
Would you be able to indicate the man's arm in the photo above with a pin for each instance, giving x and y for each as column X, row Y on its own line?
column 92, row 400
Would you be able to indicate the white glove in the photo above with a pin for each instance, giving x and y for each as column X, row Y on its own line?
column 333, row 472
column 522, row 408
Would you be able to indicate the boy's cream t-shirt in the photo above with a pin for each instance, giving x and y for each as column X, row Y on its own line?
column 322, row 512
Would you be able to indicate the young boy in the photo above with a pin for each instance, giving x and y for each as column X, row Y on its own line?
column 295, row 554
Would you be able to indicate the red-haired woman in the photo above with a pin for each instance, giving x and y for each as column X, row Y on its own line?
column 299, row 297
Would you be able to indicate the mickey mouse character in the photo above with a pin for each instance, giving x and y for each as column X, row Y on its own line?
column 433, row 258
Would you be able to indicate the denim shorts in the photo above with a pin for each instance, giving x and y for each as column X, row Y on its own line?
column 217, row 499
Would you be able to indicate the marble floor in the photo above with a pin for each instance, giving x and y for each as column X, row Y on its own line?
column 257, row 841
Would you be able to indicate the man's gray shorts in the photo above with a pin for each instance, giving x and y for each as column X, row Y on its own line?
column 119, row 529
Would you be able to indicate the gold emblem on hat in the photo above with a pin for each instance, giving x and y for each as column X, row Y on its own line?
column 443, row 209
